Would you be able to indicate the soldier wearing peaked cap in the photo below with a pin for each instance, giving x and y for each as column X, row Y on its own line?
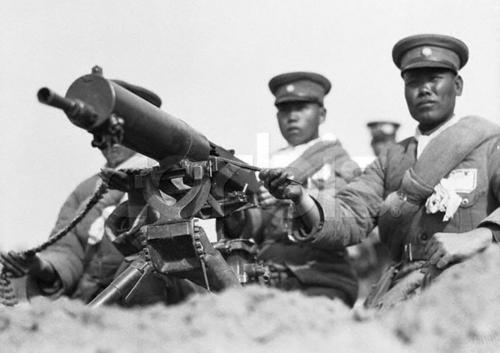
column 85, row 261
column 323, row 166
column 383, row 135
column 299, row 87
column 430, row 51
column 435, row 196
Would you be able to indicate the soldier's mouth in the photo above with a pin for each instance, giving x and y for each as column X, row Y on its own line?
column 426, row 104
column 293, row 129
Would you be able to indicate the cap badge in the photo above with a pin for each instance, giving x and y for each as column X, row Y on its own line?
column 290, row 88
column 426, row 51
column 387, row 129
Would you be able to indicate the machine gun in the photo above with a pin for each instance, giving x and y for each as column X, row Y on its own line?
column 195, row 178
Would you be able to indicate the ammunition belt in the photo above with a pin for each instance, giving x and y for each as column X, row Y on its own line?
column 7, row 294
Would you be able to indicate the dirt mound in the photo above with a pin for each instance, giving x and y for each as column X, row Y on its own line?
column 457, row 314
column 250, row 320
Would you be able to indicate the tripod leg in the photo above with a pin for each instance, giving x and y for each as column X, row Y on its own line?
column 123, row 284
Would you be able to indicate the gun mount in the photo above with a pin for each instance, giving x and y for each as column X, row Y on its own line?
column 195, row 178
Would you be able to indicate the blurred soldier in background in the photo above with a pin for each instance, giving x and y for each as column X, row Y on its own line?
column 321, row 165
column 383, row 135
column 370, row 257
column 84, row 261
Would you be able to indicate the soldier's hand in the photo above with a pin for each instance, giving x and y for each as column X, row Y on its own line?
column 115, row 179
column 265, row 198
column 277, row 181
column 18, row 265
column 445, row 249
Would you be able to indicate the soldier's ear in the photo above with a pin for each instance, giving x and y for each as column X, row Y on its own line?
column 459, row 85
column 322, row 115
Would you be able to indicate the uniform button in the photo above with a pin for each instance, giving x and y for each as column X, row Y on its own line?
column 424, row 237
column 465, row 202
column 402, row 195
column 395, row 212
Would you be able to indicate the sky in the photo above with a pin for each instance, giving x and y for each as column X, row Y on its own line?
column 210, row 61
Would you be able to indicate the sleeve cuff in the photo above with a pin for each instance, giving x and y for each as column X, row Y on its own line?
column 54, row 289
column 68, row 270
column 495, row 230
column 300, row 235
column 492, row 222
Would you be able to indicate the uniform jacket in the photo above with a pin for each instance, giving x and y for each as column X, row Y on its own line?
column 75, row 254
column 313, row 266
column 68, row 255
column 350, row 215
column 331, row 170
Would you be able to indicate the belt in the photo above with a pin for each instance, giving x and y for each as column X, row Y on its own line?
column 404, row 268
column 413, row 253
column 407, row 253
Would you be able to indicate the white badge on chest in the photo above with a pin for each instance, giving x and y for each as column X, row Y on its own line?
column 463, row 180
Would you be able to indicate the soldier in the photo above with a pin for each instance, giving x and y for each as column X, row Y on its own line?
column 84, row 261
column 383, row 134
column 323, row 166
column 435, row 196
column 370, row 256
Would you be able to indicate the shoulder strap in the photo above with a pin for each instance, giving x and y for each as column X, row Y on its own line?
column 396, row 161
column 444, row 153
column 317, row 155
column 398, row 214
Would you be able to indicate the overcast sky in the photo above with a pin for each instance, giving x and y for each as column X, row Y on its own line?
column 210, row 61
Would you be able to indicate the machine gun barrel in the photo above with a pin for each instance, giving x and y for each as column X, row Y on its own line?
column 113, row 114
column 47, row 96
column 80, row 113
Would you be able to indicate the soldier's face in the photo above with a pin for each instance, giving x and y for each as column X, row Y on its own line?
column 380, row 147
column 116, row 154
column 299, row 121
column 430, row 95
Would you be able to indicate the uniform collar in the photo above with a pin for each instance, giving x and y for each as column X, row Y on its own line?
column 325, row 137
column 135, row 161
column 418, row 134
column 423, row 140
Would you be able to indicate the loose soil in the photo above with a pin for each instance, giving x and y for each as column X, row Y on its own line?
column 459, row 313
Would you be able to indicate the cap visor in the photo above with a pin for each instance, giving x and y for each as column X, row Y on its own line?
column 432, row 64
column 282, row 100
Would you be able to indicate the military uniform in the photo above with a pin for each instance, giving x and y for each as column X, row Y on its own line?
column 360, row 206
column 85, row 250
column 370, row 256
column 84, row 259
column 398, row 190
column 323, row 166
column 68, row 254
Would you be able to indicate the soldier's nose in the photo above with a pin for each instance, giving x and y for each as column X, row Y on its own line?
column 424, row 89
